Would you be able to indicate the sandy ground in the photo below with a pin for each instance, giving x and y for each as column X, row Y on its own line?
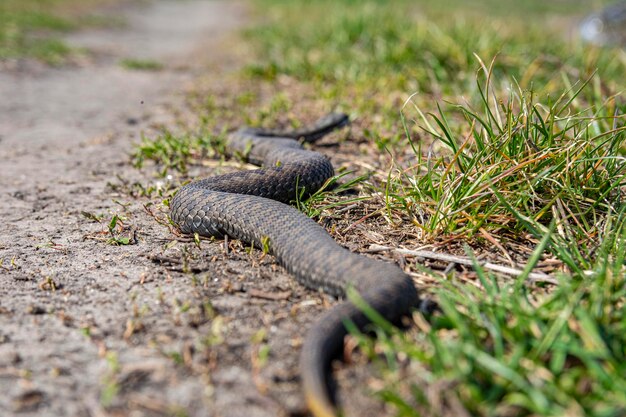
column 92, row 329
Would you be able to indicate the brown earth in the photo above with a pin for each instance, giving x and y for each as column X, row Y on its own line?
column 160, row 326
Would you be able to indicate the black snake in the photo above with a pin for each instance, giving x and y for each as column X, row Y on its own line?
column 252, row 206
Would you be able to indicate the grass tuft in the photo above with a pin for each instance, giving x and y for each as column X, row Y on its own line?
column 501, row 349
column 176, row 151
column 141, row 64
column 514, row 165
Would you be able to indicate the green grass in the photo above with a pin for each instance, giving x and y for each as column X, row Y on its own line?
column 498, row 127
column 176, row 151
column 22, row 29
column 554, row 172
column 500, row 350
column 31, row 28
column 368, row 59
column 141, row 64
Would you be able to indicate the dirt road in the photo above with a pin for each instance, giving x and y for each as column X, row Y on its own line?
column 88, row 328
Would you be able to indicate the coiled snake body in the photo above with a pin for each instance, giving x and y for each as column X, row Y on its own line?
column 252, row 206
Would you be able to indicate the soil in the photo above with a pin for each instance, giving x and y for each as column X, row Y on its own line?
column 159, row 326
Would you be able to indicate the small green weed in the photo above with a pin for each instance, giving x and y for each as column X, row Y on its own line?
column 111, row 386
column 176, row 152
column 135, row 189
column 97, row 218
column 141, row 64
column 330, row 195
column 116, row 238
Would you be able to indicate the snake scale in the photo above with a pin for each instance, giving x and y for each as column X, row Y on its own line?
column 253, row 206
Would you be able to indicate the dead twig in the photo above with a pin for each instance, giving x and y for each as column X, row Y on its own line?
column 462, row 260
column 273, row 296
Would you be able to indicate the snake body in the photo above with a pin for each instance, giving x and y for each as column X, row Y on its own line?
column 253, row 206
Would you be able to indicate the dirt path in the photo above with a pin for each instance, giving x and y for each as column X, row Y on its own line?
column 88, row 328
column 92, row 329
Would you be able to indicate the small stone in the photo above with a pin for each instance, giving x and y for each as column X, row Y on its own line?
column 35, row 309
column 28, row 400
